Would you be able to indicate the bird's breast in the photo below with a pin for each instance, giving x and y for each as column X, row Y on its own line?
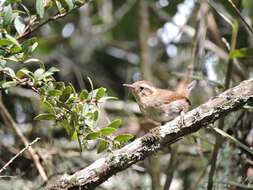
column 164, row 112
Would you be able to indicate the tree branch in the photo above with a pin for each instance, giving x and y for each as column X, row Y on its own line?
column 102, row 169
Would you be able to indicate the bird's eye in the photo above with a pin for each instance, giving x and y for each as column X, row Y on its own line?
column 141, row 88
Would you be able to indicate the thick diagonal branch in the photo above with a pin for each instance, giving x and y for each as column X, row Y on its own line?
column 102, row 169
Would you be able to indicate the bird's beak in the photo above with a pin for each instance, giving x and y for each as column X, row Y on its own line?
column 128, row 85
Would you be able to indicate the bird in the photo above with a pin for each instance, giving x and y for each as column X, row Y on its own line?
column 161, row 105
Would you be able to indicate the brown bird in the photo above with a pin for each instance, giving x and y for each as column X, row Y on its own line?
column 161, row 105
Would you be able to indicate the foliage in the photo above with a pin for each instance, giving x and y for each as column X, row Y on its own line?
column 78, row 113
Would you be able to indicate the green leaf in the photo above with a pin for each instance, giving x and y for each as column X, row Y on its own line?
column 95, row 115
column 100, row 93
column 107, row 131
column 53, row 70
column 45, row 116
column 71, row 99
column 241, row 53
column 9, row 84
column 38, row 73
column 67, row 4
column 74, row 136
column 123, row 138
column 5, row 42
column 7, row 16
column 10, row 72
column 66, row 93
column 49, row 107
column 14, row 41
column 23, row 72
column 19, row 25
column 79, row 2
column 65, row 124
column 115, row 124
column 108, row 98
column 32, row 60
column 59, row 6
column 40, row 8
column 29, row 46
column 84, row 95
column 102, row 146
column 55, row 93
column 48, row 73
column 93, row 135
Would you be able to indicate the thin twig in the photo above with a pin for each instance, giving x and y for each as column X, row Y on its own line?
column 18, row 154
column 8, row 121
column 52, row 18
column 239, row 14
column 171, row 167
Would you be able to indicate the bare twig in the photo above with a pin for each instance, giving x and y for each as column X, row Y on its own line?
column 11, row 123
column 171, row 167
column 18, row 154
column 105, row 167
column 52, row 18
column 241, row 17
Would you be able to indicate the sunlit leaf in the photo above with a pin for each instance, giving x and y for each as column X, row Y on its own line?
column 10, row 72
column 123, row 138
column 38, row 73
column 7, row 16
column 53, row 70
column 45, row 116
column 14, row 41
column 74, row 135
column 84, row 95
column 241, row 53
column 9, row 84
column 100, row 93
column 23, row 72
column 32, row 60
column 49, row 107
column 66, row 93
column 40, row 8
column 115, row 124
column 55, row 93
column 107, row 131
column 19, row 25
column 29, row 46
column 93, row 135
column 5, row 42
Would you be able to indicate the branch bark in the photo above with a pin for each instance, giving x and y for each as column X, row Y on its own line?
column 102, row 169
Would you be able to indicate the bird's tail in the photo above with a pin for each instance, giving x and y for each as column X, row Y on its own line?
column 189, row 87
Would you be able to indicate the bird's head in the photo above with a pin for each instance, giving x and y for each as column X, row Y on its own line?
column 141, row 89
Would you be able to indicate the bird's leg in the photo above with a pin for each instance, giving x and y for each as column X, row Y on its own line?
column 182, row 113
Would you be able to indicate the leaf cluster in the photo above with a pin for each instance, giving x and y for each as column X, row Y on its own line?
column 77, row 113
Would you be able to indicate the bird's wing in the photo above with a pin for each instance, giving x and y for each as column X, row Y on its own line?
column 166, row 96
